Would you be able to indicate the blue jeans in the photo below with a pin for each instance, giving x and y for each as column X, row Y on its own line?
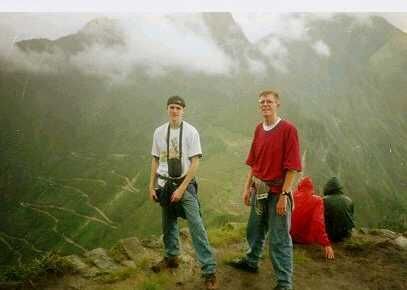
column 199, row 236
column 264, row 219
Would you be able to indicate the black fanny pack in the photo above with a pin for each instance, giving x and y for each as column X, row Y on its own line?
column 164, row 193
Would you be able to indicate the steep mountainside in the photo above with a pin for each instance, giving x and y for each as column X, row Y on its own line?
column 75, row 144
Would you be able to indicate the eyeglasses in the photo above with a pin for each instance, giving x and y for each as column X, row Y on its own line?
column 262, row 102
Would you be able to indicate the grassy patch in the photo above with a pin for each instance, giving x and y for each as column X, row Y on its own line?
column 144, row 263
column 115, row 276
column 39, row 268
column 301, row 257
column 228, row 234
column 357, row 245
column 230, row 256
column 158, row 281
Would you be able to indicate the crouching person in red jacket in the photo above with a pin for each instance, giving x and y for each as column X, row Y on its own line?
column 307, row 221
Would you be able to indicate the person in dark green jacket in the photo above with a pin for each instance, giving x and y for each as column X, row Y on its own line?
column 338, row 209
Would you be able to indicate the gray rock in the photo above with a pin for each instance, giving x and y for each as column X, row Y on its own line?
column 91, row 272
column 384, row 233
column 364, row 231
column 101, row 259
column 133, row 248
column 136, row 251
column 77, row 263
column 81, row 267
column 400, row 242
column 152, row 243
column 187, row 270
column 129, row 264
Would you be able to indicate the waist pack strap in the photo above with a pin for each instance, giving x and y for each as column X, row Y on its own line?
column 166, row 178
column 179, row 180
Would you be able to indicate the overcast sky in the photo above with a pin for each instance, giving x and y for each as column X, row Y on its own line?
column 254, row 16
column 205, row 5
column 19, row 26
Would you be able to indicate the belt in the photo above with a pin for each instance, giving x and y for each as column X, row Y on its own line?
column 167, row 178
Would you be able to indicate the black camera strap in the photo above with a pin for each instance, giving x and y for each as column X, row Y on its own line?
column 179, row 141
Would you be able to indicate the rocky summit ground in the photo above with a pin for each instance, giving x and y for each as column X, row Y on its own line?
column 374, row 259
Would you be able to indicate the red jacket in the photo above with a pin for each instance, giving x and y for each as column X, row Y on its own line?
column 307, row 221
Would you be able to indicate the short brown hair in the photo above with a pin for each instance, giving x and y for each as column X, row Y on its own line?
column 176, row 100
column 270, row 92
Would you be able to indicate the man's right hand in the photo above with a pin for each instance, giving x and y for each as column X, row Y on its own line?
column 329, row 253
column 153, row 194
column 246, row 197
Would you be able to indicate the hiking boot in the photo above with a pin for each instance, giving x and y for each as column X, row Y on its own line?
column 166, row 263
column 210, row 282
column 243, row 265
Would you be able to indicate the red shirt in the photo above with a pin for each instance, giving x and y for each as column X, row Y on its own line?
column 307, row 220
column 274, row 152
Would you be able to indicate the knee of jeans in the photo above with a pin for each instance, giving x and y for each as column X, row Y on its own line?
column 280, row 237
column 280, row 243
column 194, row 218
column 189, row 201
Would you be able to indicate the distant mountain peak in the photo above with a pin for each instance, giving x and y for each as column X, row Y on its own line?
column 224, row 28
column 102, row 25
column 102, row 31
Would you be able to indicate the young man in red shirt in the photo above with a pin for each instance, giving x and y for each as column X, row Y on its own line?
column 274, row 161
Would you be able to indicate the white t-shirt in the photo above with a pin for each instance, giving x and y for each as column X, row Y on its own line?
column 191, row 146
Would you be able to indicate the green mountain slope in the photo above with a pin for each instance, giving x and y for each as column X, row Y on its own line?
column 75, row 146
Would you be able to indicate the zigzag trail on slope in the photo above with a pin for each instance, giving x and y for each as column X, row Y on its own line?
column 55, row 227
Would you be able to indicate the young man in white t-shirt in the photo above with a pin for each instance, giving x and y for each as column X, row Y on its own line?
column 176, row 153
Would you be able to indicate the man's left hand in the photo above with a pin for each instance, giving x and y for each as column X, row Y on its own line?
column 177, row 195
column 281, row 206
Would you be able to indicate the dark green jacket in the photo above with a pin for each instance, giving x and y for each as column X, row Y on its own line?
column 338, row 209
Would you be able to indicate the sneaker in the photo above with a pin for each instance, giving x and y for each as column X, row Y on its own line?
column 166, row 263
column 243, row 265
column 281, row 288
column 210, row 282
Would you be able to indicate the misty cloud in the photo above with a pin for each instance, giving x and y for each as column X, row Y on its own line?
column 321, row 48
column 155, row 42
column 184, row 42
column 256, row 66
column 270, row 31
column 37, row 62
column 276, row 52
column 281, row 25
column 160, row 42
